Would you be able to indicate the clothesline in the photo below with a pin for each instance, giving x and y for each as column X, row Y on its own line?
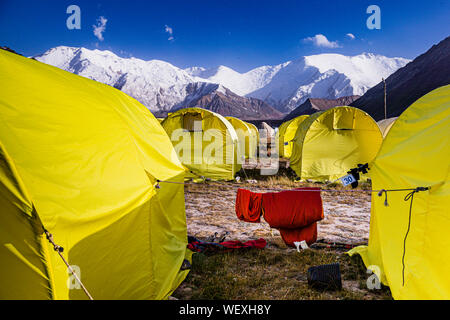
column 380, row 191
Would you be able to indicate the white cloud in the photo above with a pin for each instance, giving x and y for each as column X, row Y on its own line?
column 351, row 36
column 319, row 40
column 169, row 30
column 100, row 27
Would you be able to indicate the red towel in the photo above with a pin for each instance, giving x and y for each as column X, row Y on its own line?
column 248, row 205
column 292, row 209
column 308, row 233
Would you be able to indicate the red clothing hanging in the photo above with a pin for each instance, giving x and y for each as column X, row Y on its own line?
column 248, row 205
column 292, row 209
column 293, row 212
column 308, row 233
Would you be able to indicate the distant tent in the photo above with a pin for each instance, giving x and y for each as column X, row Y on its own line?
column 255, row 139
column 286, row 133
column 415, row 153
column 205, row 141
column 82, row 159
column 160, row 119
column 327, row 144
column 385, row 125
column 270, row 132
column 245, row 135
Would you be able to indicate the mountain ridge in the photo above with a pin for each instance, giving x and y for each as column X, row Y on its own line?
column 161, row 86
column 425, row 73
column 313, row 105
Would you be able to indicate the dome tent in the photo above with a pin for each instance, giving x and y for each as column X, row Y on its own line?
column 286, row 133
column 205, row 141
column 247, row 141
column 81, row 159
column 254, row 140
column 409, row 242
column 327, row 144
column 385, row 125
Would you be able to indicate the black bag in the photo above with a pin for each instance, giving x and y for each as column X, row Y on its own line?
column 325, row 277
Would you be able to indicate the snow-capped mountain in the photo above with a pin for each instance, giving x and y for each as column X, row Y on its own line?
column 287, row 85
column 156, row 84
column 161, row 86
column 219, row 99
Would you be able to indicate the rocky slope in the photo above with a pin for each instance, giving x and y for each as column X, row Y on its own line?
column 313, row 105
column 424, row 74
column 219, row 99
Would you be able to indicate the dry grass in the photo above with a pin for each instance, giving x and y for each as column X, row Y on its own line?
column 272, row 274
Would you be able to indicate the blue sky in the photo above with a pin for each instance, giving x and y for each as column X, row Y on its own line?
column 239, row 34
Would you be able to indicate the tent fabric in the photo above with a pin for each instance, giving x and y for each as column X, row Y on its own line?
column 286, row 133
column 327, row 144
column 415, row 153
column 245, row 136
column 81, row 159
column 254, row 141
column 209, row 151
column 385, row 125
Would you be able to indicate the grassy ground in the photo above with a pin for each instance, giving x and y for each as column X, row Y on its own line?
column 273, row 274
column 276, row 272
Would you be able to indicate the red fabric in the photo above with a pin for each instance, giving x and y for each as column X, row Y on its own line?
column 197, row 245
column 294, row 213
column 308, row 233
column 292, row 209
column 248, row 205
column 259, row 244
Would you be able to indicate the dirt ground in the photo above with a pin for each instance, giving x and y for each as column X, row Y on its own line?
column 210, row 209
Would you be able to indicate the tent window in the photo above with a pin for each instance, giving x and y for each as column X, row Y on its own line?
column 344, row 121
column 192, row 122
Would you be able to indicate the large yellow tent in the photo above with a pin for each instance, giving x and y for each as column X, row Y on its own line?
column 245, row 136
column 286, row 132
column 327, row 144
column 415, row 153
column 205, row 142
column 81, row 159
column 386, row 125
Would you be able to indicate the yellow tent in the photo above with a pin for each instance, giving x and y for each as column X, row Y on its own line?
column 327, row 144
column 160, row 119
column 415, row 153
column 386, row 125
column 286, row 132
column 205, row 142
column 254, row 141
column 81, row 159
column 246, row 137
